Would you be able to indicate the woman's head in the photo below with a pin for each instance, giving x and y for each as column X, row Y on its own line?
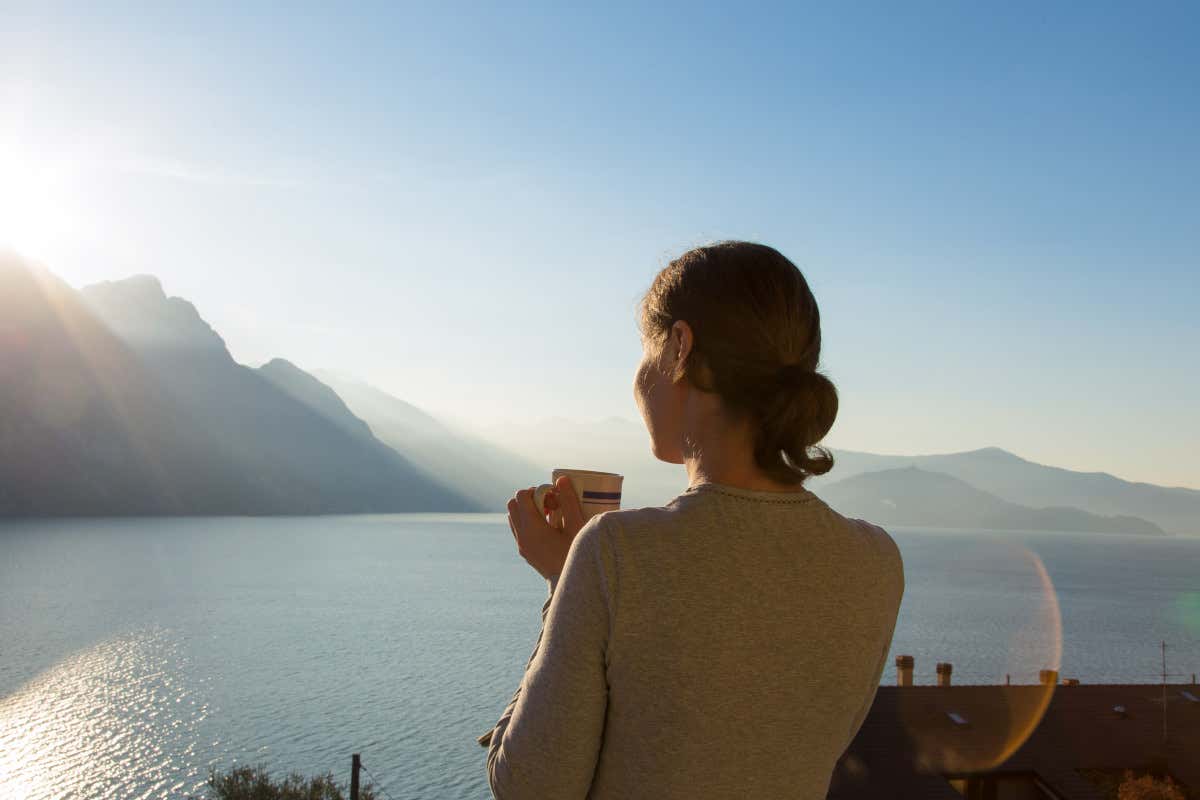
column 737, row 322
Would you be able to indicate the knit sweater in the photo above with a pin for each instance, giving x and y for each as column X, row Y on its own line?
column 727, row 644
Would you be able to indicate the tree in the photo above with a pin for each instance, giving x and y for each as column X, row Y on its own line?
column 1148, row 787
column 255, row 783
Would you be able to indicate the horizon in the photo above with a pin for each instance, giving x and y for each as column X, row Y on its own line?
column 488, row 430
column 362, row 186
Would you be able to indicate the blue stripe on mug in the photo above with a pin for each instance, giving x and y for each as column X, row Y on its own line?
column 601, row 495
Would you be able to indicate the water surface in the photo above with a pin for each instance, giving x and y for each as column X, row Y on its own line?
column 135, row 654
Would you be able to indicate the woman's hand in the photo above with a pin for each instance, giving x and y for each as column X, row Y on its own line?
column 543, row 545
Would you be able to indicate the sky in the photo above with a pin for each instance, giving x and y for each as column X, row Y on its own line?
column 997, row 208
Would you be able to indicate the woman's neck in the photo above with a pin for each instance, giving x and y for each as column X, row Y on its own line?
column 727, row 457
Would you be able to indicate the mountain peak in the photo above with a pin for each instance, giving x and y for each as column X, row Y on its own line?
column 278, row 363
column 140, row 312
column 996, row 453
column 144, row 286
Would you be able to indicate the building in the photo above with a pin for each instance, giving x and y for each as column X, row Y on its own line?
column 1047, row 741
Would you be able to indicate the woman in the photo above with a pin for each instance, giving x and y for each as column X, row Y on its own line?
column 729, row 643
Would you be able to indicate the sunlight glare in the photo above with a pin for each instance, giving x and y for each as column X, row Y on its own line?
column 35, row 202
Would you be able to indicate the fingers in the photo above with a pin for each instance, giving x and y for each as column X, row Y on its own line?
column 525, row 505
column 568, row 502
column 553, row 509
column 512, row 510
column 521, row 513
column 543, row 546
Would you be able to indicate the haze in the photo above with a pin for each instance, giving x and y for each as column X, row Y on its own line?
column 997, row 213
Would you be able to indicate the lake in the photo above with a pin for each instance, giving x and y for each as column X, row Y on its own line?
column 135, row 654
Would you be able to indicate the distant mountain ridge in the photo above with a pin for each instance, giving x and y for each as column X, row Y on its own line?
column 141, row 314
column 621, row 445
column 486, row 473
column 912, row 496
column 612, row 444
column 274, row 424
column 1017, row 480
column 116, row 399
column 306, row 389
column 85, row 428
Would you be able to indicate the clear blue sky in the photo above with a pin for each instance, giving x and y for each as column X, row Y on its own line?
column 997, row 208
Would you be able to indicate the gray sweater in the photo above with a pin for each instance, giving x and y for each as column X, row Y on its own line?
column 727, row 644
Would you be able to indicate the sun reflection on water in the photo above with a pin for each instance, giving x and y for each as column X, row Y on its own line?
column 115, row 720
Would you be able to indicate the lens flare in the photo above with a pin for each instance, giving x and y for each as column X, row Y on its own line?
column 975, row 729
column 1187, row 606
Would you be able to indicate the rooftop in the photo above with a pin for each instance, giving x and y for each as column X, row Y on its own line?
column 917, row 739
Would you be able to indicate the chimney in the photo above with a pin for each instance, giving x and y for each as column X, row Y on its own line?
column 1048, row 677
column 943, row 673
column 904, row 670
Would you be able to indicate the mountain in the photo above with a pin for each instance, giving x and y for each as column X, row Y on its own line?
column 305, row 388
column 1012, row 478
column 119, row 400
column 85, row 428
column 486, row 473
column 270, row 425
column 917, row 497
column 139, row 312
column 620, row 445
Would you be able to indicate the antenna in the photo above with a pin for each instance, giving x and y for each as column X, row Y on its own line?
column 1165, row 674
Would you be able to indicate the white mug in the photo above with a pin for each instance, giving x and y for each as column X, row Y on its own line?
column 597, row 492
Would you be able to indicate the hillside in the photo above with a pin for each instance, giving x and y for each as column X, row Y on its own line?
column 916, row 497
column 264, row 423
column 119, row 400
column 486, row 473
column 1017, row 480
column 85, row 428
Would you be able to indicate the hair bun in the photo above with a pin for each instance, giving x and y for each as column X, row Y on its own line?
column 798, row 416
column 794, row 375
column 750, row 310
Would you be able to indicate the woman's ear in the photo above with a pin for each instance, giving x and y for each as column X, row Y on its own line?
column 681, row 341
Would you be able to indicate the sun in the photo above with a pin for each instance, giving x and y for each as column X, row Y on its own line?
column 35, row 200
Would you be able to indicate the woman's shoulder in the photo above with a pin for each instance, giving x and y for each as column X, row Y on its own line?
column 889, row 562
column 636, row 518
column 885, row 557
column 621, row 527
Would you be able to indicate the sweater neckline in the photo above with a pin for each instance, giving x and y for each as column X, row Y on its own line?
column 801, row 496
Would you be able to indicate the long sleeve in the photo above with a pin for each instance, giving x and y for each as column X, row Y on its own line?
column 869, row 698
column 897, row 589
column 486, row 738
column 547, row 742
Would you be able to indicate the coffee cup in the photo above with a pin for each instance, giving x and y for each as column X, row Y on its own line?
column 597, row 492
